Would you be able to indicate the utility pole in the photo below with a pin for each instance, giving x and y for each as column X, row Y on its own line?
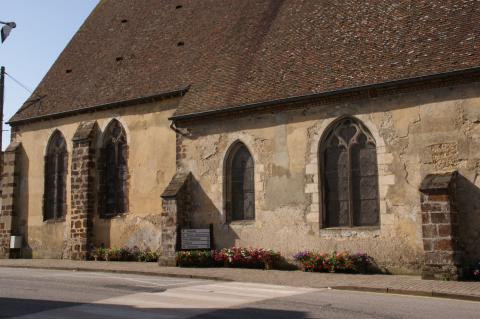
column 2, row 91
column 4, row 33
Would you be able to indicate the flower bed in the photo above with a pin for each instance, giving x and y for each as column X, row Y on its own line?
column 194, row 258
column 123, row 254
column 343, row 262
column 246, row 257
column 476, row 271
column 229, row 257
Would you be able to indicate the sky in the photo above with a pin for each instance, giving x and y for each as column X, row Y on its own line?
column 44, row 28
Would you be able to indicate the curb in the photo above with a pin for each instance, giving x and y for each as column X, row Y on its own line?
column 386, row 290
column 406, row 292
column 121, row 271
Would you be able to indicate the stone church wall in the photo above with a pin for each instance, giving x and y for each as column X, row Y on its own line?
column 151, row 165
column 427, row 131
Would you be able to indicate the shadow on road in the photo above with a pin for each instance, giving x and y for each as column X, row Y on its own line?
column 13, row 307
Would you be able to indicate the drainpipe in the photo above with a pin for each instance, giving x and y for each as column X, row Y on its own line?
column 181, row 131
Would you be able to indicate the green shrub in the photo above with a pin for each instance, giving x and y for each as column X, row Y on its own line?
column 113, row 254
column 99, row 253
column 194, row 258
column 147, row 256
column 123, row 254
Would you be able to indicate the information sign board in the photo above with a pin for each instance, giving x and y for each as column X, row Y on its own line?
column 195, row 238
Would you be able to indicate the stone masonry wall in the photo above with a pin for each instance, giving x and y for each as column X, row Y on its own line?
column 151, row 165
column 9, row 192
column 440, row 228
column 82, row 179
column 175, row 205
column 428, row 131
column 169, row 232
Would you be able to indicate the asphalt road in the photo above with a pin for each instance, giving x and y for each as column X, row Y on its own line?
column 31, row 293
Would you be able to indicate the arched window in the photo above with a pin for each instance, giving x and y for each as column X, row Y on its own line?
column 114, row 171
column 54, row 199
column 350, row 176
column 240, row 190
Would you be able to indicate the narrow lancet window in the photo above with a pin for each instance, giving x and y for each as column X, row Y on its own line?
column 54, row 200
column 114, row 170
column 240, row 184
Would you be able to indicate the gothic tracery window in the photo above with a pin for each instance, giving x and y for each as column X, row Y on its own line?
column 114, row 171
column 240, row 190
column 54, row 200
column 350, row 176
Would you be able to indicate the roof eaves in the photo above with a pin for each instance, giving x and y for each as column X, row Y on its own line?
column 123, row 103
column 300, row 98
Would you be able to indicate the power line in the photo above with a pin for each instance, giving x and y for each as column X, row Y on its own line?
column 19, row 83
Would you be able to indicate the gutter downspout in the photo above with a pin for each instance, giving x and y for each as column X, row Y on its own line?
column 181, row 131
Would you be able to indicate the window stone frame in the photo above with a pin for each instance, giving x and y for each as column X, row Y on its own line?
column 227, row 186
column 313, row 186
column 49, row 194
column 102, row 171
column 333, row 128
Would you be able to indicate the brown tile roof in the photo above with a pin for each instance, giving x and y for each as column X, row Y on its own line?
column 234, row 52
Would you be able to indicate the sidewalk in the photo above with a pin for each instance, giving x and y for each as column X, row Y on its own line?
column 410, row 285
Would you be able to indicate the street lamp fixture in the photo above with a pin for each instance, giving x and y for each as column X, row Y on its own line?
column 5, row 31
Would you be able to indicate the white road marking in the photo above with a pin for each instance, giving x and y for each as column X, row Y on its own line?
column 180, row 302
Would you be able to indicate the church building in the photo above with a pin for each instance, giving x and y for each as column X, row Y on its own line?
column 283, row 124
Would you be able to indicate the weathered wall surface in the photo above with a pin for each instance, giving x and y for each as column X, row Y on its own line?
column 427, row 131
column 151, row 166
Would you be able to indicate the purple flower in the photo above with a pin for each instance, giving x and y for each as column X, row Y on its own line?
column 302, row 255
